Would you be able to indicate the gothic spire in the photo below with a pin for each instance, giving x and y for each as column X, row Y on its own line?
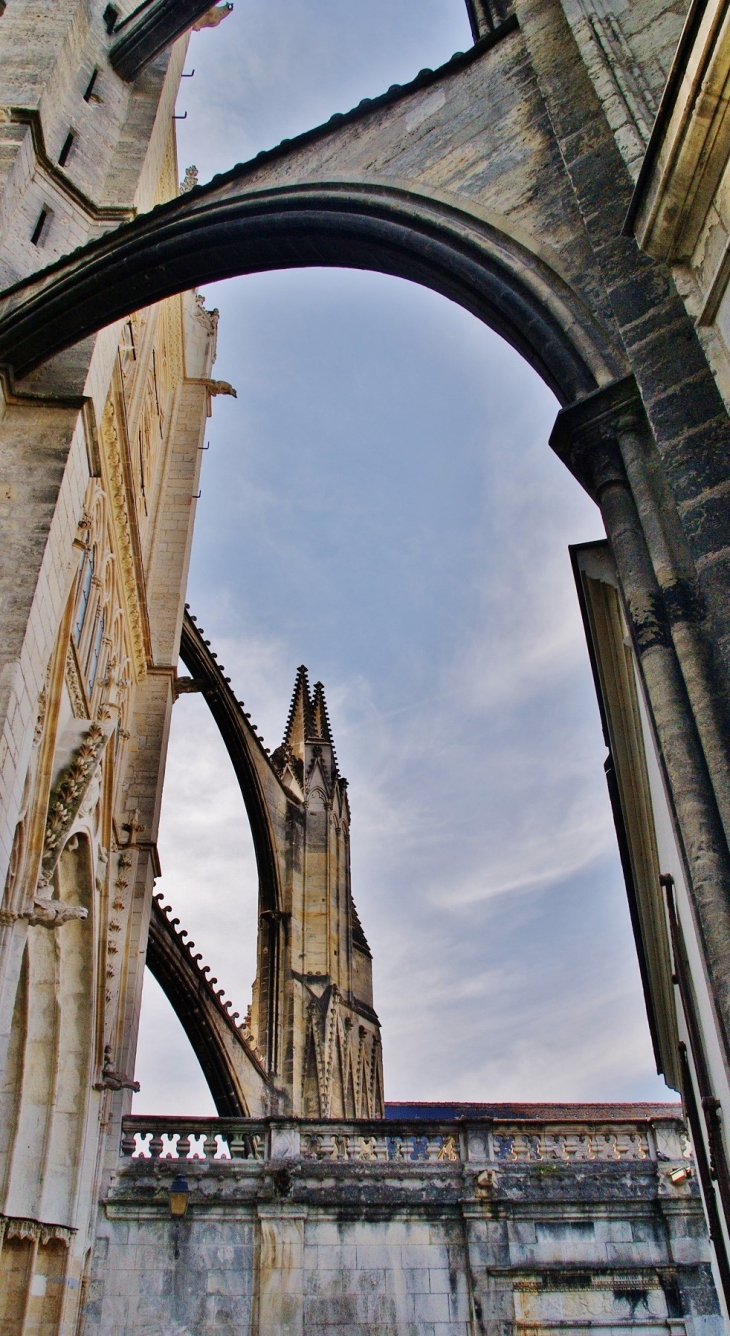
column 321, row 730
column 320, row 718
column 299, row 723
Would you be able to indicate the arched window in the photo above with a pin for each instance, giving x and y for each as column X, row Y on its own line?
column 86, row 574
column 95, row 652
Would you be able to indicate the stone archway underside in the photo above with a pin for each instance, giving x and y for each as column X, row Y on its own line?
column 234, row 1075
column 485, row 215
column 473, row 183
column 234, row 1071
column 259, row 789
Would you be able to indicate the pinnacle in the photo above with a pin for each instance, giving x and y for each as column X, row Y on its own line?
column 321, row 729
column 308, row 719
column 298, row 724
column 320, row 717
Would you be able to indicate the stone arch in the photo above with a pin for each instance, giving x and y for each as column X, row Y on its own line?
column 219, row 231
column 253, row 778
column 456, row 180
column 233, row 1072
column 238, row 1078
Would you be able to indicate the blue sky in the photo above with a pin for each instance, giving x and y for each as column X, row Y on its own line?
column 380, row 502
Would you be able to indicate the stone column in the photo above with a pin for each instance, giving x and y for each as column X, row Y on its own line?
column 674, row 655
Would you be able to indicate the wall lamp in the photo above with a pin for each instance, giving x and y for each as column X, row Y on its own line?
column 179, row 1197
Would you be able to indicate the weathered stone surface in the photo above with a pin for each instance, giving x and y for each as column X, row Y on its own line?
column 525, row 1232
column 503, row 181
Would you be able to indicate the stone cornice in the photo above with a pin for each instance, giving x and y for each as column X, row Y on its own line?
column 14, row 1227
column 149, row 30
column 98, row 213
column 690, row 142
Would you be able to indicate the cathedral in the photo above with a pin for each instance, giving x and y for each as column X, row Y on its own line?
column 567, row 181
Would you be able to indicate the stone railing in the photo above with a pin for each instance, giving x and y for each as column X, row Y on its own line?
column 152, row 1138
column 408, row 1143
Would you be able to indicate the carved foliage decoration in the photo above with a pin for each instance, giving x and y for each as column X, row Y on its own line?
column 68, row 796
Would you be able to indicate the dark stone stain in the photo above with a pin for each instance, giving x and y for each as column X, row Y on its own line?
column 635, row 1299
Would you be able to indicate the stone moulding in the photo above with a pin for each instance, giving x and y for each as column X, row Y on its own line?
column 97, row 213
column 688, row 147
column 75, row 685
column 14, row 1227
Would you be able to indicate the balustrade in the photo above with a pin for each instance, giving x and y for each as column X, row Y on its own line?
column 231, row 1140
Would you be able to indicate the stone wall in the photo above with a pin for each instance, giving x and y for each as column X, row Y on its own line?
column 435, row 1228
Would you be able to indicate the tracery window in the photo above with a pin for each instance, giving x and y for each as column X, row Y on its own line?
column 95, row 651
column 86, row 575
column 128, row 346
column 145, row 441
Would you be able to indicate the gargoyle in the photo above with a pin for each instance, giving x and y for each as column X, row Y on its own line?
column 112, row 1079
column 212, row 17
column 49, row 913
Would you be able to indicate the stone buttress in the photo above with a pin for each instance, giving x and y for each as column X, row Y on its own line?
column 310, row 1043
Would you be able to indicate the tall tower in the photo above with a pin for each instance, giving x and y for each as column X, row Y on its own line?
column 330, row 1062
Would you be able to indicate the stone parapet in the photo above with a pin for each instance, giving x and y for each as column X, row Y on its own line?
column 418, row 1225
column 616, row 1137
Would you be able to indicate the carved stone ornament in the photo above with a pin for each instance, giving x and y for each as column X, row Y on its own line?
column 11, row 1227
column 50, row 913
column 213, row 16
column 67, row 798
column 190, row 180
column 209, row 318
column 74, row 685
column 68, row 795
column 112, row 1079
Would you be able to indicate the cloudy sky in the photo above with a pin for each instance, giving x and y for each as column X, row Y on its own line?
column 380, row 503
